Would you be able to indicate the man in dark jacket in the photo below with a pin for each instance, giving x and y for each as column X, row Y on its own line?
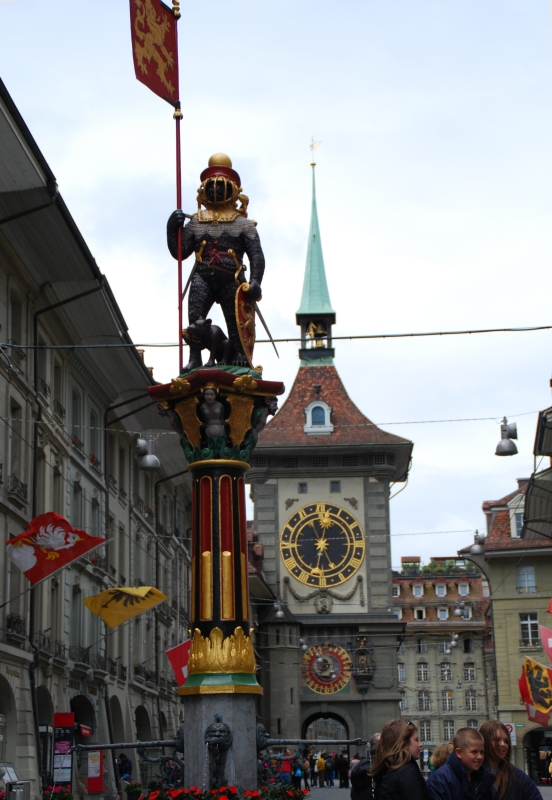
column 125, row 767
column 463, row 776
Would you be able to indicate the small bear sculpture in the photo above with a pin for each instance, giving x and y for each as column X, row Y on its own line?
column 203, row 335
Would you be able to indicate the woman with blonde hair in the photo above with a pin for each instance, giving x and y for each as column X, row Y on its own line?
column 441, row 754
column 511, row 783
column 395, row 771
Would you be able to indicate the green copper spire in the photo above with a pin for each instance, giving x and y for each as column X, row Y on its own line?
column 316, row 297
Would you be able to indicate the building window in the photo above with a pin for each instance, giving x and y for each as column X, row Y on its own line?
column 94, row 436
column 396, row 590
column 422, row 647
column 303, row 488
column 76, row 415
column 469, row 671
column 441, row 590
column 398, row 612
column 402, row 702
column 318, row 416
column 290, row 463
column 423, row 700
column 418, row 590
column 422, row 672
column 401, row 672
column 519, row 525
column 448, row 728
column 425, row 730
column 335, row 487
column 76, row 506
column 471, row 700
column 463, row 589
column 442, row 613
column 446, row 671
column 468, row 646
column 472, row 723
column 526, row 580
column 443, row 647
column 419, row 613
column 400, row 649
column 349, row 461
column 529, row 629
column 320, row 461
column 447, row 700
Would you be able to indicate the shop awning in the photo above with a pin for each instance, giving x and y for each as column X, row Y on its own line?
column 537, row 521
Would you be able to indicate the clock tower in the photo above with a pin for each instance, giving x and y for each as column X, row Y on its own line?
column 321, row 478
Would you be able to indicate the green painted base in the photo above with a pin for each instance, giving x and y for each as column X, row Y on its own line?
column 221, row 683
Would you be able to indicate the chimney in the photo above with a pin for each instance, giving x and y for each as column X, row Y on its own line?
column 522, row 482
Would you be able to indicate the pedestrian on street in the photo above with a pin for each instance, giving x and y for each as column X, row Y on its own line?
column 463, row 776
column 125, row 767
column 361, row 782
column 440, row 755
column 395, row 771
column 306, row 772
column 296, row 774
column 329, row 770
column 342, row 768
column 285, row 769
column 321, row 769
column 511, row 783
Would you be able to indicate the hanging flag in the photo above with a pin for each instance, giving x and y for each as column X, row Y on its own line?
column 546, row 639
column 535, row 688
column 116, row 606
column 178, row 656
column 48, row 545
column 154, row 47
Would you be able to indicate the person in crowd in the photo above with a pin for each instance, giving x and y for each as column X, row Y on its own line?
column 342, row 769
column 306, row 771
column 296, row 773
column 463, row 776
column 321, row 769
column 285, row 769
column 395, row 772
column 354, row 761
column 125, row 767
column 440, row 755
column 361, row 782
column 511, row 783
column 330, row 765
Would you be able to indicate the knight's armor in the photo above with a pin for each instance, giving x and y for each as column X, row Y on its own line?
column 210, row 234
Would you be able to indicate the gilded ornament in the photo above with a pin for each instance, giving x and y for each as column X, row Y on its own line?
column 217, row 654
column 245, row 384
column 240, row 416
column 187, row 411
column 180, row 385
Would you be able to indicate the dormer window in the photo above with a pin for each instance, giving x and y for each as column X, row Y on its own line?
column 318, row 419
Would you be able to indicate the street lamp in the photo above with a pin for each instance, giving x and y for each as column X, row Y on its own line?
column 477, row 548
column 508, row 431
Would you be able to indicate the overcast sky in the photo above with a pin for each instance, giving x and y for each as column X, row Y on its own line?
column 434, row 199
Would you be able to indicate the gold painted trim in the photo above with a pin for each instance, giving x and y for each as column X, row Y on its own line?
column 193, row 588
column 227, row 593
column 224, row 689
column 244, row 587
column 219, row 462
column 206, row 598
column 218, row 654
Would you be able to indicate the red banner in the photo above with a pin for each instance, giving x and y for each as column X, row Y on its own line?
column 178, row 656
column 154, row 47
column 535, row 688
column 49, row 545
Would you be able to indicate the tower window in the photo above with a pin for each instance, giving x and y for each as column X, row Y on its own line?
column 335, row 486
column 303, row 488
column 318, row 416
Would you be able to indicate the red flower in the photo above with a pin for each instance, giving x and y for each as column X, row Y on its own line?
column 153, row 795
column 305, row 791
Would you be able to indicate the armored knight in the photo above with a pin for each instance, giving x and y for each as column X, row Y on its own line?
column 219, row 234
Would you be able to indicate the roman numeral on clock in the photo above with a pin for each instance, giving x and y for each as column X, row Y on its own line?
column 356, row 562
column 289, row 562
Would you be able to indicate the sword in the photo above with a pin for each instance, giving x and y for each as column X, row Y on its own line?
column 199, row 260
column 240, row 278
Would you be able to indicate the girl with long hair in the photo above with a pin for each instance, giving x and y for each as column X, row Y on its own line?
column 395, row 771
column 510, row 783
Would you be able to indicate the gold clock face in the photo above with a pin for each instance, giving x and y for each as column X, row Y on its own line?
column 327, row 669
column 322, row 545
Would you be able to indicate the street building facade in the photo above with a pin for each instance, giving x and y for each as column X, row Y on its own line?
column 320, row 482
column 445, row 658
column 70, row 420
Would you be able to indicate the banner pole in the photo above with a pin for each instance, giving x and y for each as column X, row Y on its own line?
column 177, row 117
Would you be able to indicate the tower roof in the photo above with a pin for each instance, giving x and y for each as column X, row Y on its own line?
column 350, row 426
column 316, row 297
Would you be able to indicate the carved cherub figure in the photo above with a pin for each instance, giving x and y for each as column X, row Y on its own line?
column 212, row 413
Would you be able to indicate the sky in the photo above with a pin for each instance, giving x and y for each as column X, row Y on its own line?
column 433, row 188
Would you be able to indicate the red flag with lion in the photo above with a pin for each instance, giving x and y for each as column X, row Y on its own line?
column 154, row 47
column 48, row 545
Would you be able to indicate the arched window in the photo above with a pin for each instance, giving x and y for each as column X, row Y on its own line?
column 94, row 437
column 76, row 417
column 318, row 416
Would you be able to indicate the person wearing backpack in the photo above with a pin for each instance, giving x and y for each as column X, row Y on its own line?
column 296, row 774
column 329, row 765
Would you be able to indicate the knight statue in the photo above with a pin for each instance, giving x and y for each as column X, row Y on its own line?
column 219, row 234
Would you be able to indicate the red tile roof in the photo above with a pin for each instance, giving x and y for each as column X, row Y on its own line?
column 351, row 427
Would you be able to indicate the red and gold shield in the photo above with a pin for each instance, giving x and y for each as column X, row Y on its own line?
column 245, row 319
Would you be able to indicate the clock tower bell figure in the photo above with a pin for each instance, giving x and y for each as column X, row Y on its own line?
column 320, row 481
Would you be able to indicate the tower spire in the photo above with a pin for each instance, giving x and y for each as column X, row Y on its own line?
column 315, row 315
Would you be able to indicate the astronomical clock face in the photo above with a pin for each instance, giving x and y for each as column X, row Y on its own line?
column 328, row 669
column 322, row 545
